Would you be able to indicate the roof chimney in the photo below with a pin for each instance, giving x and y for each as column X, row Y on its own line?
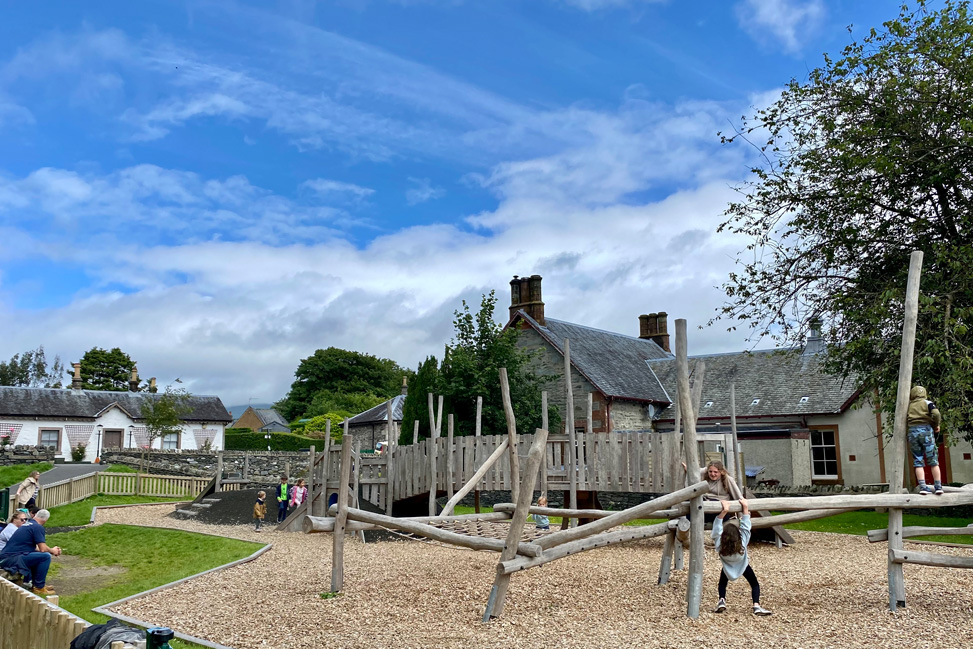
column 815, row 343
column 655, row 327
column 153, row 388
column 133, row 381
column 76, row 381
column 405, row 385
column 525, row 295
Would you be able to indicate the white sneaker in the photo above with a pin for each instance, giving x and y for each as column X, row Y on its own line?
column 760, row 610
column 720, row 606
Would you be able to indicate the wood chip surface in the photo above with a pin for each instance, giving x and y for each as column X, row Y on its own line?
column 829, row 590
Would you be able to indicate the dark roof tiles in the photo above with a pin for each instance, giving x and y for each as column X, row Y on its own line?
column 380, row 412
column 87, row 404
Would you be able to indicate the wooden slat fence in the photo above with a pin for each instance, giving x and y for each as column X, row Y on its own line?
column 118, row 484
column 29, row 622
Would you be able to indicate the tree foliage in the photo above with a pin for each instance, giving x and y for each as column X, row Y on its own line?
column 30, row 370
column 162, row 414
column 868, row 159
column 416, row 406
column 334, row 371
column 106, row 369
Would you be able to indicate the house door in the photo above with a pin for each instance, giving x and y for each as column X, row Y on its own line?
column 113, row 439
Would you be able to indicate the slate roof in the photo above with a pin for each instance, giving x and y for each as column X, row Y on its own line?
column 779, row 378
column 88, row 404
column 380, row 412
column 614, row 363
column 269, row 416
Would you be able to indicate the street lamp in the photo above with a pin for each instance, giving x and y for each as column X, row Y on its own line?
column 99, row 428
column 131, row 435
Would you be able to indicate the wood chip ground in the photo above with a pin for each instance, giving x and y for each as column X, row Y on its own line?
column 829, row 590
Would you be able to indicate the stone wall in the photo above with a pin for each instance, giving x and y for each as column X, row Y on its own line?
column 262, row 467
column 11, row 455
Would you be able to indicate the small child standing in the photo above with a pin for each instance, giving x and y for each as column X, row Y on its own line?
column 540, row 521
column 259, row 509
column 731, row 545
column 298, row 493
column 283, row 495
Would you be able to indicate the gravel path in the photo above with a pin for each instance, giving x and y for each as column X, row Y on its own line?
column 828, row 591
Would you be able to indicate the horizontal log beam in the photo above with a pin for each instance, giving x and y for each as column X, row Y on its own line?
column 556, row 512
column 930, row 559
column 856, row 501
column 632, row 533
column 794, row 517
column 876, row 536
column 437, row 534
column 622, row 517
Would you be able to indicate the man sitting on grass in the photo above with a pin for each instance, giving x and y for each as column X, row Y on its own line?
column 27, row 555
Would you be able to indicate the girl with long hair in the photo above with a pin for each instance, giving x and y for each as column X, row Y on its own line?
column 731, row 546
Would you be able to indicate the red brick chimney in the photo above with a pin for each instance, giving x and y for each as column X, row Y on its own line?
column 655, row 327
column 76, row 380
column 525, row 295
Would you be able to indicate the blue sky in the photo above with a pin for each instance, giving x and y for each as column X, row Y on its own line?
column 222, row 187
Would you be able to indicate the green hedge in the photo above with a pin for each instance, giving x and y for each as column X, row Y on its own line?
column 251, row 441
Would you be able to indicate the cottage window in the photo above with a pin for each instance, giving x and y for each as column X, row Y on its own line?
column 824, row 454
column 170, row 441
column 805, row 399
column 709, row 404
column 50, row 437
column 755, row 402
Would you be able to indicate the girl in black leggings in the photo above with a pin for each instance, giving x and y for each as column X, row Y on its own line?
column 731, row 546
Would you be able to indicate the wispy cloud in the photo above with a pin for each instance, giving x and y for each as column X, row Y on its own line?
column 599, row 5
column 422, row 191
column 327, row 187
column 790, row 22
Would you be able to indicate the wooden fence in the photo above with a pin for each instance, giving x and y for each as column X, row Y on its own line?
column 29, row 622
column 116, row 484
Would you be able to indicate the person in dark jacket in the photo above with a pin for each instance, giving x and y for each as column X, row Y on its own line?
column 924, row 420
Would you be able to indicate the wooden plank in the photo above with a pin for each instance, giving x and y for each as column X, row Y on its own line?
column 450, row 457
column 929, row 559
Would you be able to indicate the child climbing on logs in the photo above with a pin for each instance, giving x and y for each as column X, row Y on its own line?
column 731, row 546
column 924, row 419
column 540, row 521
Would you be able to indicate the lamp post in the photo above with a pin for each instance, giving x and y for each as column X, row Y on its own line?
column 131, row 435
column 99, row 428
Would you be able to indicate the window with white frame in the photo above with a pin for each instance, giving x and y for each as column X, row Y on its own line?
column 170, row 441
column 50, row 437
column 824, row 454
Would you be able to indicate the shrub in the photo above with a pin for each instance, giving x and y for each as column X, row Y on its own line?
column 77, row 453
column 251, row 441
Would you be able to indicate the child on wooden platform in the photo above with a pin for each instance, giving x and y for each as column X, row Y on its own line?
column 259, row 509
column 298, row 493
column 731, row 546
column 540, row 521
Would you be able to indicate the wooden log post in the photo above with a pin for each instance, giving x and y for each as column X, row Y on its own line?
column 569, row 429
column 476, row 448
column 498, row 593
column 356, row 483
column 544, row 425
column 899, row 430
column 450, row 456
column 219, row 471
column 508, row 411
column 415, row 432
column 741, row 470
column 338, row 538
column 589, row 429
column 694, row 586
column 432, row 456
column 390, row 443
column 322, row 508
column 665, row 567
column 246, row 465
column 311, row 457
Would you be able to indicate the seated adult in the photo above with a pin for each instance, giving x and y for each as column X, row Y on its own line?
column 16, row 520
column 27, row 554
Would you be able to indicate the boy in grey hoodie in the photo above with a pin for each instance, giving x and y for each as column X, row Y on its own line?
column 924, row 420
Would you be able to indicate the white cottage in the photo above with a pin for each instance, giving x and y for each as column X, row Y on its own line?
column 101, row 419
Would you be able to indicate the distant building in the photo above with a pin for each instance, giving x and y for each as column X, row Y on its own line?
column 371, row 426
column 262, row 420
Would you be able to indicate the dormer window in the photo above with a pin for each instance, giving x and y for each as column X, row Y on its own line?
column 805, row 399
column 709, row 404
column 755, row 402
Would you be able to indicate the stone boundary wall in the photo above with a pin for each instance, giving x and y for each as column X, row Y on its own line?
column 11, row 455
column 262, row 467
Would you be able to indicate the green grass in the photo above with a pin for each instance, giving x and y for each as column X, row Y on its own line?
column 11, row 476
column 120, row 468
column 860, row 522
column 162, row 556
column 79, row 513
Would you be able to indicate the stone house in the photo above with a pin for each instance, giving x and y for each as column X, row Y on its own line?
column 371, row 426
column 262, row 420
column 800, row 424
column 62, row 419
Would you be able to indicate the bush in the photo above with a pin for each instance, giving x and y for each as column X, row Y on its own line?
column 77, row 453
column 251, row 441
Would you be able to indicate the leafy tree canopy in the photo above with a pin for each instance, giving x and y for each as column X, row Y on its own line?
column 868, row 159
column 416, row 406
column 339, row 371
column 106, row 370
column 162, row 414
column 30, row 370
column 344, row 404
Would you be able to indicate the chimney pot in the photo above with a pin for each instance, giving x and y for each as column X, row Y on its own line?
column 152, row 386
column 76, row 380
column 655, row 327
column 525, row 295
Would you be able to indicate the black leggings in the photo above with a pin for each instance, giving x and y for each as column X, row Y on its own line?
column 751, row 579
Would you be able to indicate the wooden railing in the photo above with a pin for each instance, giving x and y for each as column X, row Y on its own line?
column 116, row 484
column 29, row 622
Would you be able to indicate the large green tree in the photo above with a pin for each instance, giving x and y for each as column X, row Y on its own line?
column 30, row 369
column 471, row 367
column 340, row 371
column 106, row 369
column 867, row 159
column 416, row 406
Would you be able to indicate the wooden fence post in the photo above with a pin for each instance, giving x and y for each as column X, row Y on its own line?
column 544, row 425
column 569, row 429
column 310, row 479
column 338, row 547
column 450, row 456
column 432, row 456
column 219, row 472
column 391, row 442
column 476, row 448
column 900, row 426
column 741, row 471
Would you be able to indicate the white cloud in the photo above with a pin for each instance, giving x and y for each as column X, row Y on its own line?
column 327, row 187
column 788, row 21
column 422, row 191
column 599, row 5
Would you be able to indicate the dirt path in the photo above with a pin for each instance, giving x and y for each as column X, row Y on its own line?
column 75, row 575
column 828, row 591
